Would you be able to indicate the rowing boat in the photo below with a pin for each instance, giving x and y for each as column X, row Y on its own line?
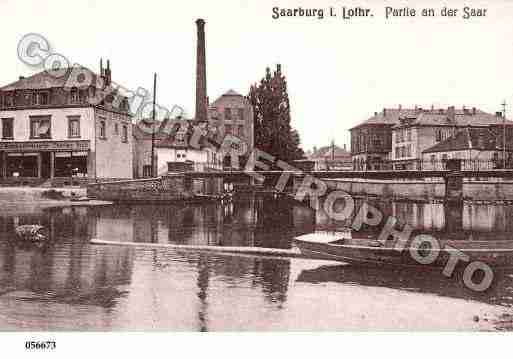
column 341, row 246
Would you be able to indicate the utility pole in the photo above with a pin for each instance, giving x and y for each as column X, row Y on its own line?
column 153, row 170
column 504, row 134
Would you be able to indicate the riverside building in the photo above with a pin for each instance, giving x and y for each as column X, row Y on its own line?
column 52, row 132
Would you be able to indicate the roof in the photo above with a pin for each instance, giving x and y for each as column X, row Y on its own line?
column 389, row 116
column 165, row 137
column 326, row 152
column 49, row 79
column 433, row 117
column 462, row 118
column 231, row 92
column 63, row 78
column 482, row 139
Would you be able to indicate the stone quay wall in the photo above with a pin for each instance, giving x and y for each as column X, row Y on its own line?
column 483, row 189
column 161, row 189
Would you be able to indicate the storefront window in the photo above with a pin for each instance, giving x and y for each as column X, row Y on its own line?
column 19, row 165
column 68, row 165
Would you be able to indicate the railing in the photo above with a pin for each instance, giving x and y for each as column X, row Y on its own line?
column 189, row 166
column 428, row 165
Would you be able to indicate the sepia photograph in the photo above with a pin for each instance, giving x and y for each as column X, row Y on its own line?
column 254, row 166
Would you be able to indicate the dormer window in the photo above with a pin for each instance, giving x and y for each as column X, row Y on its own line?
column 40, row 98
column 8, row 100
column 74, row 96
column 44, row 98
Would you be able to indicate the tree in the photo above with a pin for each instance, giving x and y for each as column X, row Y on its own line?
column 271, row 107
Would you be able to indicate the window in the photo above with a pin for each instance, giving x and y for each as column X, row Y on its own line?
column 241, row 113
column 43, row 98
column 103, row 129
column 228, row 129
column 397, row 154
column 147, row 171
column 116, row 129
column 40, row 127
column 433, row 159
column 228, row 114
column 241, row 131
column 8, row 100
column 73, row 126
column 125, row 134
column 7, row 128
column 438, row 135
column 408, row 134
column 74, row 96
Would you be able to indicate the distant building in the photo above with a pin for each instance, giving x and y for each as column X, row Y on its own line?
column 422, row 129
column 232, row 114
column 173, row 151
column 331, row 157
column 51, row 130
column 477, row 147
column 395, row 138
column 371, row 141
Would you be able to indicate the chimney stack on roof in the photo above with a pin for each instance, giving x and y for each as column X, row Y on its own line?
column 498, row 113
column 108, row 74
column 384, row 111
column 474, row 110
column 201, row 73
column 451, row 113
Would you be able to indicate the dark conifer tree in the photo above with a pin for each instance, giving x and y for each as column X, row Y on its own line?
column 271, row 106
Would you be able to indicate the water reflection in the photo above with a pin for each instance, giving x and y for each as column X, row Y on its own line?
column 242, row 223
column 452, row 220
column 74, row 285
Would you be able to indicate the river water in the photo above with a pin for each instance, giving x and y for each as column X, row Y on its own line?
column 73, row 285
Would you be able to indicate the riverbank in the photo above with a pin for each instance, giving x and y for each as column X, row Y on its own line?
column 22, row 200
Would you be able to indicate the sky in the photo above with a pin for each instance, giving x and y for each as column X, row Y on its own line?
column 338, row 72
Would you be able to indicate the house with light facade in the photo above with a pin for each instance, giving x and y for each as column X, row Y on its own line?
column 478, row 149
column 230, row 114
column 68, row 124
column 422, row 129
column 395, row 138
column 331, row 157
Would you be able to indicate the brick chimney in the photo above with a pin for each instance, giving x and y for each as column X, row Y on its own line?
column 201, row 73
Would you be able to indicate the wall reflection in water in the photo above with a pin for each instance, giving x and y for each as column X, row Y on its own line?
column 74, row 285
column 455, row 220
column 255, row 222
